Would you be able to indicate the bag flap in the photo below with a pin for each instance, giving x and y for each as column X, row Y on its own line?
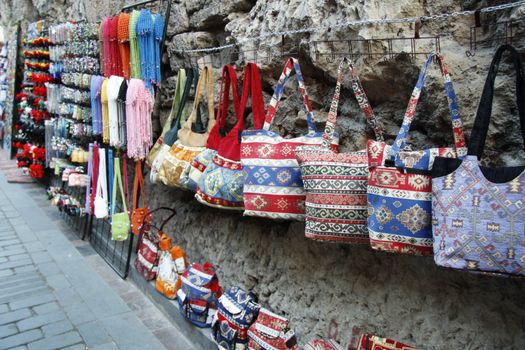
column 227, row 304
column 267, row 332
column 198, row 276
column 270, row 325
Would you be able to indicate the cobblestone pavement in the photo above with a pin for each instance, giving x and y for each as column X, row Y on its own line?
column 57, row 293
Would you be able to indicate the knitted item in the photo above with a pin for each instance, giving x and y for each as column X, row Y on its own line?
column 146, row 42
column 134, row 45
column 123, row 43
column 105, row 112
column 116, row 66
column 106, row 46
column 139, row 105
column 158, row 33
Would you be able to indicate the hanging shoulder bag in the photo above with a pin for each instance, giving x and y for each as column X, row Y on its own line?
column 222, row 183
column 399, row 183
column 478, row 213
column 147, row 259
column 272, row 185
column 139, row 214
column 335, row 183
column 120, row 223
column 172, row 264
column 101, row 197
column 175, row 168
column 218, row 132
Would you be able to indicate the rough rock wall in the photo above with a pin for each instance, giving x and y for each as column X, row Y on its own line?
column 316, row 284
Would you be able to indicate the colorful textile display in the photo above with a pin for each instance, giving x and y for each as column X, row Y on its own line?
column 123, row 43
column 373, row 342
column 272, row 186
column 478, row 213
column 139, row 105
column 271, row 331
column 335, row 183
column 399, row 184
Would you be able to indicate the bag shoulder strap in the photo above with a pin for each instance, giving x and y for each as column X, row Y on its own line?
column 138, row 182
column 205, row 81
column 292, row 63
column 482, row 121
column 362, row 99
column 177, row 99
column 251, row 87
column 117, row 185
column 457, row 125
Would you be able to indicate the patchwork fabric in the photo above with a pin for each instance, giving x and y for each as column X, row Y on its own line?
column 478, row 215
column 176, row 165
column 272, row 186
column 335, row 183
column 399, row 193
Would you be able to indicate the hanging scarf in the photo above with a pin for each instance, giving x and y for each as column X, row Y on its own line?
column 105, row 112
column 116, row 66
column 121, row 109
column 134, row 45
column 139, row 105
column 96, row 104
column 113, row 89
column 159, row 33
column 147, row 47
column 123, row 43
column 106, row 46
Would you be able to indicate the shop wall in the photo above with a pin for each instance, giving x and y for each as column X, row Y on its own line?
column 315, row 284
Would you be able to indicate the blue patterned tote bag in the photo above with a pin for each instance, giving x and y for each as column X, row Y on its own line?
column 399, row 182
column 478, row 213
column 272, row 184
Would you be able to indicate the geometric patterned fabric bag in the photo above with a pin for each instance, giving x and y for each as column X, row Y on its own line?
column 479, row 212
column 218, row 133
column 175, row 168
column 171, row 135
column 271, row 331
column 373, row 342
column 335, row 183
column 399, row 183
column 222, row 183
column 321, row 344
column 198, row 294
column 272, row 185
column 237, row 311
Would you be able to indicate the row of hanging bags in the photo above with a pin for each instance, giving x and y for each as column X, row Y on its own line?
column 218, row 132
column 479, row 212
column 174, row 125
column 273, row 187
column 222, row 182
column 399, row 183
column 192, row 138
column 335, row 183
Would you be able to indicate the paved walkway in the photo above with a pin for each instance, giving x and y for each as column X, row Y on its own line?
column 57, row 293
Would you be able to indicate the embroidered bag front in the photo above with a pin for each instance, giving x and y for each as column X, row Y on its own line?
column 203, row 159
column 175, row 168
column 271, row 331
column 399, row 182
column 222, row 183
column 373, row 342
column 478, row 213
column 335, row 183
column 272, row 185
column 120, row 223
column 198, row 294
column 237, row 311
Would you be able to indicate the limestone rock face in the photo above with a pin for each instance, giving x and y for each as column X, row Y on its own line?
column 314, row 284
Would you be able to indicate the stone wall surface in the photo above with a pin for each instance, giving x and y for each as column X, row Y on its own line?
column 315, row 284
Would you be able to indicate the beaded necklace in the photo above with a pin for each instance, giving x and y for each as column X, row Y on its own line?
column 134, row 45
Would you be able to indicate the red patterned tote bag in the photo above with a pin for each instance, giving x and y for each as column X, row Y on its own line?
column 218, row 133
column 222, row 183
column 399, row 183
column 335, row 183
column 479, row 212
column 272, row 185
column 321, row 344
column 271, row 331
column 373, row 342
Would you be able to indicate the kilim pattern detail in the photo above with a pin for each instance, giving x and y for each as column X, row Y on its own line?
column 269, row 161
column 479, row 225
column 271, row 331
column 399, row 196
column 336, row 183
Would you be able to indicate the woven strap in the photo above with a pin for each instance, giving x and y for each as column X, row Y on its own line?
column 459, row 138
column 110, row 176
column 139, row 183
column 125, row 177
column 117, row 185
column 94, row 177
column 206, row 79
column 483, row 114
column 252, row 88
column 291, row 64
column 362, row 99
column 177, row 100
